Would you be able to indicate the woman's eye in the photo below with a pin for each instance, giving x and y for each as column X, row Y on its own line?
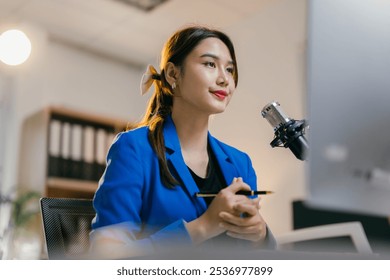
column 230, row 70
column 210, row 64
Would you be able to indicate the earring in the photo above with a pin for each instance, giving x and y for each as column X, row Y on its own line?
column 173, row 85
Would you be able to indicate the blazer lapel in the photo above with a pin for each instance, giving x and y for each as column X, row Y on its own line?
column 228, row 169
column 175, row 159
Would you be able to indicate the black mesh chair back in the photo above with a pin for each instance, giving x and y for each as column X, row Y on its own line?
column 66, row 224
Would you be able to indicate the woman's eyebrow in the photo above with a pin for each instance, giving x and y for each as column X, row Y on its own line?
column 214, row 57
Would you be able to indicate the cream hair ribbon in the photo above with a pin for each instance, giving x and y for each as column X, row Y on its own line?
column 148, row 78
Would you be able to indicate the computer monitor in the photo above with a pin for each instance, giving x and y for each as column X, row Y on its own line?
column 349, row 105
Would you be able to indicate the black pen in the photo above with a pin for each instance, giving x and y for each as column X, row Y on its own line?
column 248, row 193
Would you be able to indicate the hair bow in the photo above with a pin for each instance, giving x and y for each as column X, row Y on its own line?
column 148, row 78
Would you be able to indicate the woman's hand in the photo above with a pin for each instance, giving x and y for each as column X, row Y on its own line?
column 245, row 222
column 224, row 211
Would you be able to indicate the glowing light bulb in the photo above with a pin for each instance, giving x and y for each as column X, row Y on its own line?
column 15, row 47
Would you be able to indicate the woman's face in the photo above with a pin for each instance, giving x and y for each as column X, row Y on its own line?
column 205, row 83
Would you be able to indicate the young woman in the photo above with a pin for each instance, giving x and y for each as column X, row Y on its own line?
column 147, row 198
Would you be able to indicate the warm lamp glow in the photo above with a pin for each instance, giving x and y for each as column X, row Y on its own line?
column 15, row 47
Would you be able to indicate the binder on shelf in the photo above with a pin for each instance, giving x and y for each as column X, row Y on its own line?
column 54, row 149
column 101, row 150
column 76, row 148
column 88, row 153
column 65, row 150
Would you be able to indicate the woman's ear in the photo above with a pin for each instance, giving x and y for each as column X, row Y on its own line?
column 171, row 72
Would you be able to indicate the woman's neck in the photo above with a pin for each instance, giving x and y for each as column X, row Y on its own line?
column 192, row 131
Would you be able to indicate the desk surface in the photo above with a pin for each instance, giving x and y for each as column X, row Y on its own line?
column 260, row 254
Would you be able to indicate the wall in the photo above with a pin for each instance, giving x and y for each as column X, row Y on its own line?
column 94, row 84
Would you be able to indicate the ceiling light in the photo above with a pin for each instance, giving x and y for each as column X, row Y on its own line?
column 15, row 47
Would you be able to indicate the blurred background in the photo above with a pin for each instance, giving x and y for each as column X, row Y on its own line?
column 84, row 70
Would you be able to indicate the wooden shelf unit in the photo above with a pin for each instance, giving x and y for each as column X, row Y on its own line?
column 36, row 160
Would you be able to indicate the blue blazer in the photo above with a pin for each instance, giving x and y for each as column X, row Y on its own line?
column 130, row 190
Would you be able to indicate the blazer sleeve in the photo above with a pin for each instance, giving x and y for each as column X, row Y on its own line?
column 118, row 200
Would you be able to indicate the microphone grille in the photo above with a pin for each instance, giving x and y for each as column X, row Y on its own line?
column 274, row 114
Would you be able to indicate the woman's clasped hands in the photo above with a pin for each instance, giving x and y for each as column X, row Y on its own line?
column 236, row 215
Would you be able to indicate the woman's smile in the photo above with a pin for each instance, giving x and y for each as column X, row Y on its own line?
column 220, row 94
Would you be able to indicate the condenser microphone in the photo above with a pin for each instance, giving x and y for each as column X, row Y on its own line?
column 289, row 133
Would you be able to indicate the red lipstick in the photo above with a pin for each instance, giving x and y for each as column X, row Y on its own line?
column 221, row 94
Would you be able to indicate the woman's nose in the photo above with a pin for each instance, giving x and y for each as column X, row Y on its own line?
column 222, row 79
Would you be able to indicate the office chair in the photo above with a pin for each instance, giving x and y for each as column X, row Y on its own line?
column 316, row 234
column 66, row 225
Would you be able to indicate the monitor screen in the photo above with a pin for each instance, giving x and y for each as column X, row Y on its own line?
column 349, row 105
